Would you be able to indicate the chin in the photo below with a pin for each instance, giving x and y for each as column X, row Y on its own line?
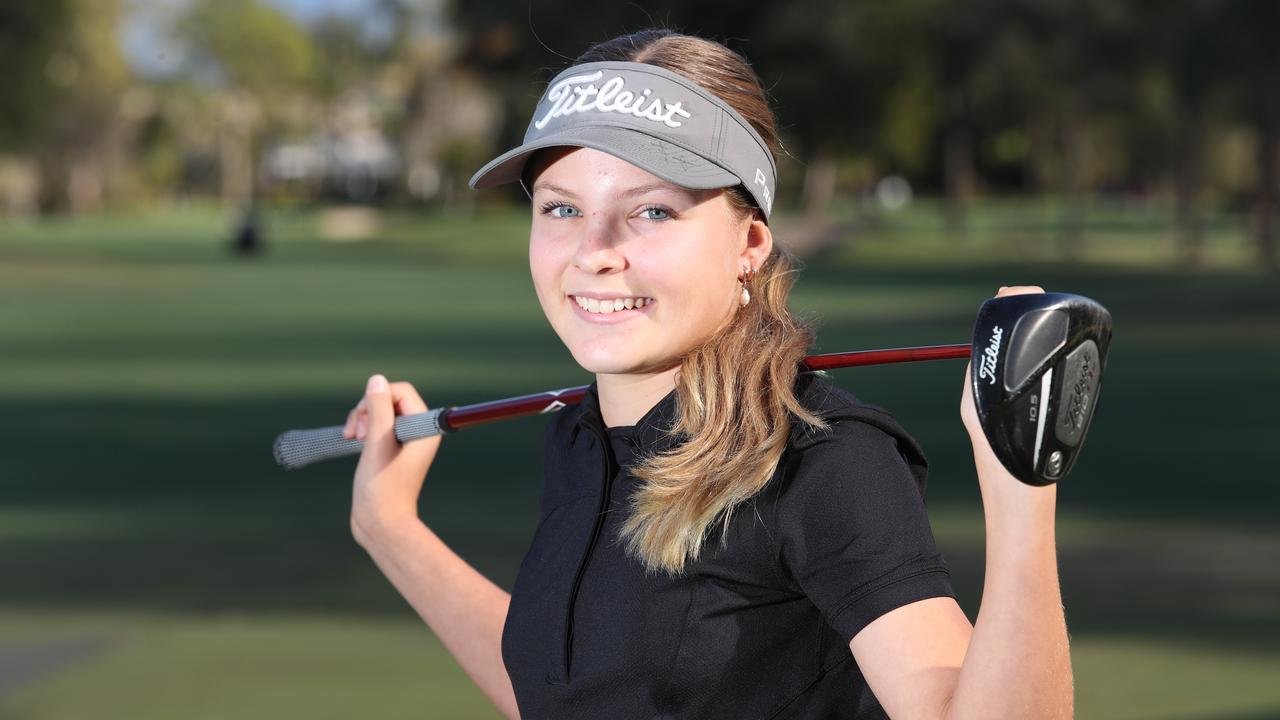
column 610, row 363
column 603, row 362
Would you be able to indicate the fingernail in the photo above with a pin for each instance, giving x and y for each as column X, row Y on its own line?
column 377, row 383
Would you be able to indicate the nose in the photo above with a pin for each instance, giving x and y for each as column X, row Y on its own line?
column 599, row 247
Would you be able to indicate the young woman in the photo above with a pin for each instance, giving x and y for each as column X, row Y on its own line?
column 721, row 535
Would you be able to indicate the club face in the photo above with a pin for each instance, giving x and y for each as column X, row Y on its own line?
column 1038, row 360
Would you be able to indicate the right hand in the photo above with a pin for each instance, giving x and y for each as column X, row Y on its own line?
column 390, row 475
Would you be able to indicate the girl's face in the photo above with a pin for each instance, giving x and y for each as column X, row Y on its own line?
column 604, row 229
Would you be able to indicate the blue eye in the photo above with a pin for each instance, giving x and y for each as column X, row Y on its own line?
column 551, row 207
column 655, row 208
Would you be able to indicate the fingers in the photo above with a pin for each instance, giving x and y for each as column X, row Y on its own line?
column 967, row 389
column 1019, row 290
column 404, row 399
column 379, row 435
column 355, row 425
column 968, row 413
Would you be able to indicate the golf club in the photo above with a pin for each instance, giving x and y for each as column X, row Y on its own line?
column 297, row 448
column 1037, row 364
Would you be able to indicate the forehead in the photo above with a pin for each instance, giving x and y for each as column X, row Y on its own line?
column 581, row 168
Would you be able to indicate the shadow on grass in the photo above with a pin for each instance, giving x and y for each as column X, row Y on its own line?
column 192, row 515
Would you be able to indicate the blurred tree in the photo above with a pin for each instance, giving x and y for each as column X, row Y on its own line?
column 244, row 44
column 1253, row 68
column 344, row 59
column 89, row 132
column 1080, row 59
column 1185, row 53
column 31, row 34
column 850, row 85
column 62, row 105
column 262, row 64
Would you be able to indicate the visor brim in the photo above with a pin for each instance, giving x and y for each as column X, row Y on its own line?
column 657, row 156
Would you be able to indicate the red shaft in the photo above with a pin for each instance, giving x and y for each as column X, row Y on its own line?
column 462, row 416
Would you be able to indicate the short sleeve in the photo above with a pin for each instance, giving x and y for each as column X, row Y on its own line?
column 852, row 530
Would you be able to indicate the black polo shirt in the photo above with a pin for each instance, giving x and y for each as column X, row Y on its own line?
column 759, row 628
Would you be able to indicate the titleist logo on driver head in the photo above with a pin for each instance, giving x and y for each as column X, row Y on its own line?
column 990, row 355
column 578, row 93
column 1081, row 391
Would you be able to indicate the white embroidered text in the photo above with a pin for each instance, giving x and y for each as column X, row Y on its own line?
column 764, row 183
column 579, row 94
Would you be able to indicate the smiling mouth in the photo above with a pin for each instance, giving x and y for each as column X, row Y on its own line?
column 609, row 307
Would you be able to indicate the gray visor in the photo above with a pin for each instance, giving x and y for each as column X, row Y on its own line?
column 650, row 117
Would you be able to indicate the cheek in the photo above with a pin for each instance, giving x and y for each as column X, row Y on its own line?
column 694, row 286
column 544, row 268
column 702, row 273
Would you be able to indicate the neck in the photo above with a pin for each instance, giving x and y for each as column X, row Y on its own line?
column 624, row 399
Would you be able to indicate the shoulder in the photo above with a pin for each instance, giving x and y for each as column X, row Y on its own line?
column 848, row 517
column 859, row 434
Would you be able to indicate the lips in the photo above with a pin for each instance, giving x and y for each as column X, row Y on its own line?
column 615, row 316
column 612, row 303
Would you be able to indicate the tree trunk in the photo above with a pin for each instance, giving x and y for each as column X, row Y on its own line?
column 1188, row 178
column 235, row 150
column 957, row 163
column 1268, row 193
column 1073, row 209
column 819, row 185
column 958, row 158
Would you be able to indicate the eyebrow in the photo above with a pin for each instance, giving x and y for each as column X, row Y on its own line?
column 637, row 190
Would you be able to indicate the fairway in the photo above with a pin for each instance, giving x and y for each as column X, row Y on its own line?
column 158, row 564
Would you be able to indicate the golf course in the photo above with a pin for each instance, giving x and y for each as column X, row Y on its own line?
column 156, row 563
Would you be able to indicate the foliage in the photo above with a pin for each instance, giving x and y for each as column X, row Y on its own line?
column 249, row 45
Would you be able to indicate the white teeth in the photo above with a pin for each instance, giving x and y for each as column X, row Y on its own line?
column 608, row 306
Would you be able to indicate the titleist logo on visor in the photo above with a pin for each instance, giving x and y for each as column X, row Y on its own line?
column 654, row 118
column 578, row 93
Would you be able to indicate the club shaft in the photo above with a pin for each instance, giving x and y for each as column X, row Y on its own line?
column 463, row 416
column 297, row 448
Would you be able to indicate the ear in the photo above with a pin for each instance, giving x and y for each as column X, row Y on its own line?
column 759, row 243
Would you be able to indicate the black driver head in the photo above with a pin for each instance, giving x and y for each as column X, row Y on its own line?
column 1037, row 370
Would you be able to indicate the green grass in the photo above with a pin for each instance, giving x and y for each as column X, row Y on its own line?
column 232, row 665
column 144, row 373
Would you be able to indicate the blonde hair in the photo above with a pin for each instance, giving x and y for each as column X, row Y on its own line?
column 735, row 390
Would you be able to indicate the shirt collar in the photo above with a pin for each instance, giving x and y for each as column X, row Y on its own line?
column 812, row 388
column 650, row 430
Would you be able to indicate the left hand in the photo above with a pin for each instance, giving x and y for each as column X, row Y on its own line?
column 985, row 458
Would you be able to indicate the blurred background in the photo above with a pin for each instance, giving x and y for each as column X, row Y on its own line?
column 218, row 217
